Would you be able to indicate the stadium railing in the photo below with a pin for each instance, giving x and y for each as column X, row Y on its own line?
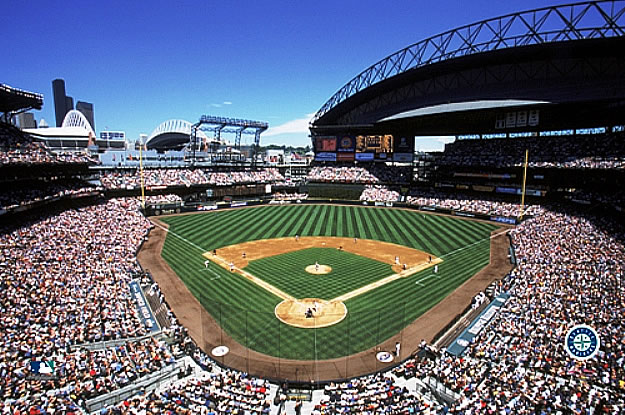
column 146, row 385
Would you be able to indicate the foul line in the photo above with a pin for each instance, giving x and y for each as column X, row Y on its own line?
column 462, row 248
column 386, row 280
column 245, row 274
column 350, row 294
column 178, row 236
column 254, row 279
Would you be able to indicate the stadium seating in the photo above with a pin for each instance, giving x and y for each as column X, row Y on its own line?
column 597, row 151
column 17, row 148
column 570, row 271
column 32, row 191
column 125, row 179
column 350, row 174
column 64, row 288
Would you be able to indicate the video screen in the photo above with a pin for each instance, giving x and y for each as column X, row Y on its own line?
column 374, row 143
column 325, row 143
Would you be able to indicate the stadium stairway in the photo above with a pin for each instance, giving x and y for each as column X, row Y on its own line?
column 289, row 406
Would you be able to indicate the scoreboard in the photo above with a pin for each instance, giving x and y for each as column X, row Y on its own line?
column 374, row 143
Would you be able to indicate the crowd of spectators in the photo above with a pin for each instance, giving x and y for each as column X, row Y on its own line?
column 487, row 205
column 220, row 392
column 64, row 285
column 19, row 148
column 64, row 281
column 93, row 373
column 600, row 151
column 27, row 193
column 330, row 174
column 570, row 271
column 379, row 194
column 372, row 174
column 162, row 199
column 128, row 179
column 289, row 196
column 369, row 395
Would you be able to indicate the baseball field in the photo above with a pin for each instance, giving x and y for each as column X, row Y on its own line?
column 314, row 282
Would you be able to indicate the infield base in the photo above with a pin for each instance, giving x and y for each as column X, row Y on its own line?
column 322, row 313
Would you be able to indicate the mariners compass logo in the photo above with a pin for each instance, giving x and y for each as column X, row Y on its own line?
column 582, row 342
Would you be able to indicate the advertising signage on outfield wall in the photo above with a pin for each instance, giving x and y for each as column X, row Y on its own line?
column 518, row 191
column 345, row 156
column 365, row 156
column 402, row 157
column 325, row 156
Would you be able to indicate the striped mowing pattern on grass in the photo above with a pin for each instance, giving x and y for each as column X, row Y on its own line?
column 349, row 272
column 245, row 310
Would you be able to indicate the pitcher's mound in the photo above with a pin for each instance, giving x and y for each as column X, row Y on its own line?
column 321, row 269
column 301, row 313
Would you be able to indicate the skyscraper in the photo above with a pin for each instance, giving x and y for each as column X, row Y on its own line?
column 69, row 104
column 64, row 104
column 86, row 108
column 26, row 120
column 60, row 100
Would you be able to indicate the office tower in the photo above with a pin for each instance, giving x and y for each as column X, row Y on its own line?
column 60, row 100
column 69, row 104
column 86, row 108
column 26, row 120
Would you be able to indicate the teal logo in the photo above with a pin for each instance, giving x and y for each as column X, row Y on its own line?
column 582, row 342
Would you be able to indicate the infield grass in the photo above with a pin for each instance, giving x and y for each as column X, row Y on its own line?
column 246, row 311
column 349, row 272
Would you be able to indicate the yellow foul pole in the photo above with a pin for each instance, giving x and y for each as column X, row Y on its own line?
column 523, row 189
column 141, row 170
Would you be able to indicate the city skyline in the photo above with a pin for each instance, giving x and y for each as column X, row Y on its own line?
column 274, row 62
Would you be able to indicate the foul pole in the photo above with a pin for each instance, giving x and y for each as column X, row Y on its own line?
column 141, row 172
column 523, row 188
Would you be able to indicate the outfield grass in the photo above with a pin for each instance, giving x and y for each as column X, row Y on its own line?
column 245, row 310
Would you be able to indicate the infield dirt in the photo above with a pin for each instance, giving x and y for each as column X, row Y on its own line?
column 380, row 251
column 207, row 333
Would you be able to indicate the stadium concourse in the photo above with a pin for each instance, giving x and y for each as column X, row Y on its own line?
column 65, row 275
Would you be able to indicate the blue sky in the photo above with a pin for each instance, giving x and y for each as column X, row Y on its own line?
column 141, row 63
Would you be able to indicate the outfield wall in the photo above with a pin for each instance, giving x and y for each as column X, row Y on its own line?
column 238, row 204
